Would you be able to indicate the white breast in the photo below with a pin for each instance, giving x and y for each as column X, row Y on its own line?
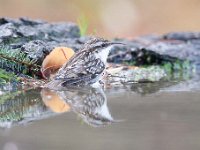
column 103, row 55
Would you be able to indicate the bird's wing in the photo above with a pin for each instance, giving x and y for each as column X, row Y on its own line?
column 81, row 69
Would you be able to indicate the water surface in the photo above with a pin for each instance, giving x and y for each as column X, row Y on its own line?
column 120, row 118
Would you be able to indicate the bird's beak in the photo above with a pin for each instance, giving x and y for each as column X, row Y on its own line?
column 115, row 43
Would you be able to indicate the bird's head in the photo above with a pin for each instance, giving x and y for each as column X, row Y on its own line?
column 100, row 44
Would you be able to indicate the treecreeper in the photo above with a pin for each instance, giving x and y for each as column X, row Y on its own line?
column 86, row 67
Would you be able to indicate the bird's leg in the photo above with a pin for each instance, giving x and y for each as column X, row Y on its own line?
column 102, row 84
column 103, row 79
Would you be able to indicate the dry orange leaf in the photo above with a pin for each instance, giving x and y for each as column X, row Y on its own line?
column 55, row 60
column 54, row 102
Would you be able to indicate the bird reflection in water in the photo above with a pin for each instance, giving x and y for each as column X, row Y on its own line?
column 89, row 103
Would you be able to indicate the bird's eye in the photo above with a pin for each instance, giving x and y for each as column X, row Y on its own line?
column 103, row 45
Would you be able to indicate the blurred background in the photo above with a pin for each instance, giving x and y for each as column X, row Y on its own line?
column 112, row 18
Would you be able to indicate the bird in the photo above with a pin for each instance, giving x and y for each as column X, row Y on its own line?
column 89, row 103
column 86, row 67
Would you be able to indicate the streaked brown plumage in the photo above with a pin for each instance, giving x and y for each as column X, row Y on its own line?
column 86, row 66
